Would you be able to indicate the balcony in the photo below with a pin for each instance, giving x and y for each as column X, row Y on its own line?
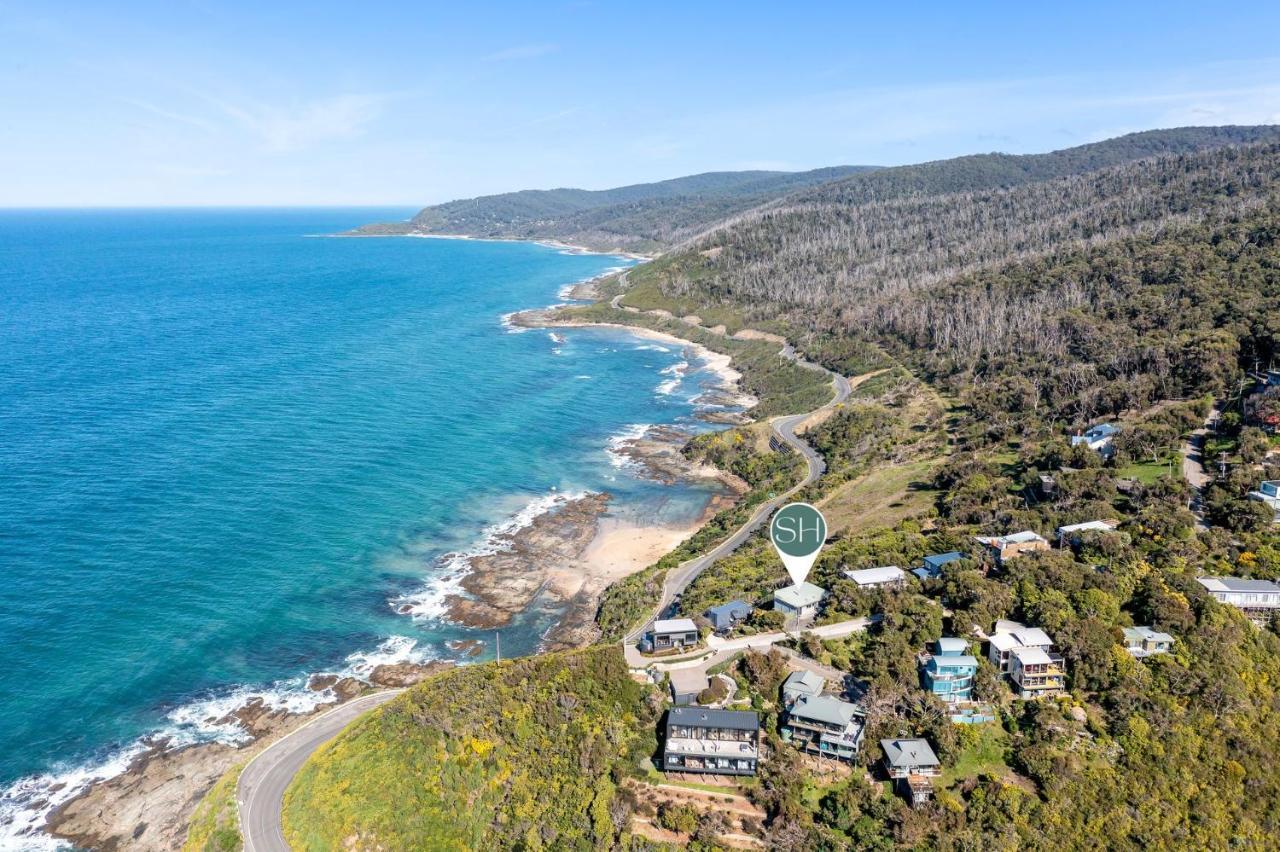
column 713, row 748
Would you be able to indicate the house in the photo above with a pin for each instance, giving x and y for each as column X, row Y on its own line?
column 669, row 633
column 1005, row 547
column 727, row 616
column 1036, row 673
column 948, row 672
column 687, row 685
column 887, row 577
column 1268, row 494
column 1009, row 636
column 1072, row 533
column 1097, row 437
column 911, row 764
column 824, row 726
column 1143, row 641
column 1258, row 599
column 721, row 742
column 802, row 684
column 1048, row 485
column 931, row 569
column 800, row 600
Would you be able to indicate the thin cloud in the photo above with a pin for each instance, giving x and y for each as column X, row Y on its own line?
column 523, row 51
column 283, row 129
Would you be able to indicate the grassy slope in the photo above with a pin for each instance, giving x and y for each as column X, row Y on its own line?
column 494, row 756
column 882, row 498
column 215, row 825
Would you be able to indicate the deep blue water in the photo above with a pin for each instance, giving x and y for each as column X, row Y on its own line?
column 227, row 444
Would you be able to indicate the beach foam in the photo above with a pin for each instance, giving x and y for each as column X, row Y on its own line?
column 26, row 804
column 613, row 448
column 429, row 602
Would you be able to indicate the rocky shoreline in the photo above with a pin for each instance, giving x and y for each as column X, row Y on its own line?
column 149, row 805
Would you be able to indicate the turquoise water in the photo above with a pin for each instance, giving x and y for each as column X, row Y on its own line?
column 229, row 446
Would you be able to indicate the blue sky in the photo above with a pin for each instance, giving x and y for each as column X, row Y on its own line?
column 281, row 103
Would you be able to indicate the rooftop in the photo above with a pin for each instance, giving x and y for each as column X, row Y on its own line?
column 1032, row 656
column 875, row 576
column 730, row 609
column 825, row 709
column 701, row 717
column 1142, row 633
column 687, row 681
column 1020, row 637
column 951, row 645
column 1086, row 526
column 937, row 560
column 905, row 754
column 800, row 595
column 1012, row 538
column 1237, row 584
column 804, row 682
column 674, row 625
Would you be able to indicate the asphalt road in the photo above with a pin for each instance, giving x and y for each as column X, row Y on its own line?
column 260, row 794
column 682, row 575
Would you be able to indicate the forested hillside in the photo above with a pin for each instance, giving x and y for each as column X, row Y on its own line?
column 642, row 217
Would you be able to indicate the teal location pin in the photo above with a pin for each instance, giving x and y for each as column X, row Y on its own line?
column 798, row 531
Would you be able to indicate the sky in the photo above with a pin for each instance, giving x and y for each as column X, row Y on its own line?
column 280, row 103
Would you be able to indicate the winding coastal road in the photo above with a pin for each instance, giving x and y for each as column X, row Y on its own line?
column 260, row 793
column 784, row 428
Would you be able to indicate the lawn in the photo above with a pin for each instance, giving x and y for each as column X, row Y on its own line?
column 882, row 498
column 1148, row 471
column 987, row 755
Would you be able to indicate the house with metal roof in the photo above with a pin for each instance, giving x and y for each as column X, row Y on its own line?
column 1005, row 547
column 931, row 567
column 1258, row 599
column 802, row 684
column 884, row 577
column 912, row 765
column 1036, row 672
column 670, row 633
column 727, row 616
column 1268, row 494
column 800, row 600
column 1143, row 641
column 948, row 672
column 720, row 742
column 687, row 685
column 824, row 726
column 1097, row 437
column 1072, row 533
column 1009, row 636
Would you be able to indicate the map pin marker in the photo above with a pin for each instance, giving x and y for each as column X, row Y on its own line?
column 798, row 531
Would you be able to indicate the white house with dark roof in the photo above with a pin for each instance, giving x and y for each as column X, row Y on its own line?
column 720, row 742
column 884, row 577
column 800, row 600
column 1258, row 599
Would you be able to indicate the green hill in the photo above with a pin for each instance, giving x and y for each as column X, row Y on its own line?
column 512, row 755
column 641, row 217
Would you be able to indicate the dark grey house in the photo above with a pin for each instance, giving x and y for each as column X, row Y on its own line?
column 727, row 616
column 721, row 742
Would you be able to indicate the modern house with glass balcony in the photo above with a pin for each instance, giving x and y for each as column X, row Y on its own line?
column 718, row 742
column 1036, row 673
column 948, row 671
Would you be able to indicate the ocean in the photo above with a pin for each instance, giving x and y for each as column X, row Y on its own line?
column 229, row 445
